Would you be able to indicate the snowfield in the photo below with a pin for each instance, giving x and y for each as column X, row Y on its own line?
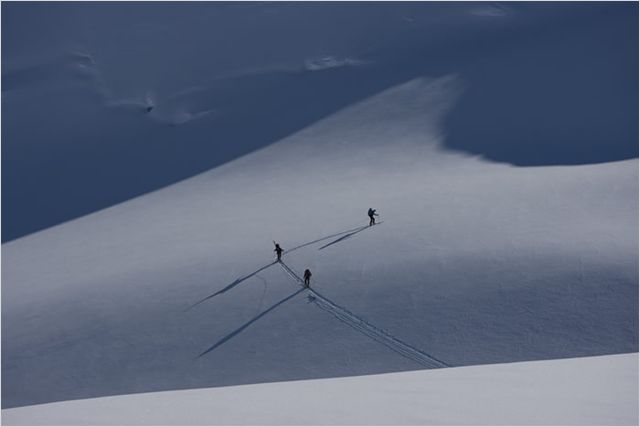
column 588, row 391
column 474, row 262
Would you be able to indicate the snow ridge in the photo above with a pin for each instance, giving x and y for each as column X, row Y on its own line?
column 366, row 328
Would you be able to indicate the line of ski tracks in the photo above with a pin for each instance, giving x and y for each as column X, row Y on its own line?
column 367, row 328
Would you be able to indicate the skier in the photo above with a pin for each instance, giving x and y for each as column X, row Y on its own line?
column 278, row 250
column 307, row 278
column 372, row 213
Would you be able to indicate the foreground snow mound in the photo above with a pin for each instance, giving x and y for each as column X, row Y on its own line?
column 473, row 263
column 587, row 391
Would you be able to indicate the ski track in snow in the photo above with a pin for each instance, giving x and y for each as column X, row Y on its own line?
column 366, row 328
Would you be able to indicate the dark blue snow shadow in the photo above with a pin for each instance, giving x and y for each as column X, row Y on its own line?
column 47, row 181
column 85, row 156
column 348, row 236
column 563, row 95
column 563, row 91
column 246, row 325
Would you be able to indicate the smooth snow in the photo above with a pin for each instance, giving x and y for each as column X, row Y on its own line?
column 587, row 391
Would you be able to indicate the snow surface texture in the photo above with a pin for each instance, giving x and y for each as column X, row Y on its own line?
column 589, row 391
column 474, row 262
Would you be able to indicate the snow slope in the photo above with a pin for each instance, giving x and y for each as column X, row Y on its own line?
column 474, row 263
column 103, row 102
column 587, row 391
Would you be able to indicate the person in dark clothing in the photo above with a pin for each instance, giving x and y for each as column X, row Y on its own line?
column 372, row 214
column 278, row 250
column 307, row 277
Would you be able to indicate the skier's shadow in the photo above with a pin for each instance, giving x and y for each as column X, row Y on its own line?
column 232, row 285
column 246, row 325
column 243, row 278
column 324, row 238
column 347, row 236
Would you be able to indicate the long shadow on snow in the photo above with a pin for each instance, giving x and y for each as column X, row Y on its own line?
column 243, row 278
column 343, row 238
column 232, row 284
column 324, row 238
column 246, row 325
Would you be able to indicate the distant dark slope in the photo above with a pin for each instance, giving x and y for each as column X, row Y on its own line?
column 229, row 78
column 109, row 154
column 174, row 90
column 558, row 96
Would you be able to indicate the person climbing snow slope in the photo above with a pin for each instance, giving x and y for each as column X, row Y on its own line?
column 307, row 277
column 278, row 250
column 372, row 214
